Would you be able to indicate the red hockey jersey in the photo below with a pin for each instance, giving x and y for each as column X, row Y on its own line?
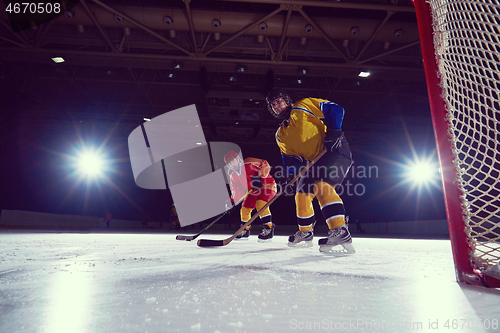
column 241, row 180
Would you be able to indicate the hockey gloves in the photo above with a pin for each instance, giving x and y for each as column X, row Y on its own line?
column 333, row 140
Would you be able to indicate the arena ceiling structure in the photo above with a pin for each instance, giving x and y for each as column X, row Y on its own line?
column 126, row 60
column 134, row 59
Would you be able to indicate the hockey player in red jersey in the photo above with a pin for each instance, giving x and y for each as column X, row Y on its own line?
column 309, row 126
column 252, row 174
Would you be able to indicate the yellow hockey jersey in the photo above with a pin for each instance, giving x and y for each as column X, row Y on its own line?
column 303, row 136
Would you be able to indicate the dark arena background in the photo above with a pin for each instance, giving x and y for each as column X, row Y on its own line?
column 75, row 83
column 120, row 69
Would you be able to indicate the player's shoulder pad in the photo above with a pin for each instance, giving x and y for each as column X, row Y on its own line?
column 252, row 160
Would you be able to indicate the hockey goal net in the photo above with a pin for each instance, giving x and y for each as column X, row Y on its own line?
column 461, row 50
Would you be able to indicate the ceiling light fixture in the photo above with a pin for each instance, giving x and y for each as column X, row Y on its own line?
column 398, row 33
column 167, row 20
column 58, row 60
column 241, row 68
column 364, row 74
column 216, row 23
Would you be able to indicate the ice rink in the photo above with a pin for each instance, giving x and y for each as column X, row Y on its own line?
column 149, row 282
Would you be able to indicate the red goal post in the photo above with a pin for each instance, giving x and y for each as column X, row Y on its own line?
column 460, row 41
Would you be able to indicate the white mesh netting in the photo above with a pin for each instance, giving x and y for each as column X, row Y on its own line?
column 467, row 43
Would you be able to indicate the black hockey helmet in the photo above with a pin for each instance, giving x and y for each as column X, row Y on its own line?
column 276, row 93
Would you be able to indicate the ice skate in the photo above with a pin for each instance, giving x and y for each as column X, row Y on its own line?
column 301, row 239
column 339, row 241
column 244, row 234
column 493, row 271
column 266, row 234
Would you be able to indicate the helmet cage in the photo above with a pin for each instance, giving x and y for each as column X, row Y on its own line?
column 277, row 93
column 229, row 157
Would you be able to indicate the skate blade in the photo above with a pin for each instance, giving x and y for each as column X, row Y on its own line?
column 241, row 239
column 342, row 249
column 264, row 240
column 301, row 244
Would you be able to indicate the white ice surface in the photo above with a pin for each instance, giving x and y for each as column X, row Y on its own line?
column 98, row 282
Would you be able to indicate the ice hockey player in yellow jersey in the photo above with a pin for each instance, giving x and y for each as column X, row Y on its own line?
column 309, row 126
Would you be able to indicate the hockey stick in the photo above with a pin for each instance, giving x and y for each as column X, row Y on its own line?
column 190, row 238
column 224, row 242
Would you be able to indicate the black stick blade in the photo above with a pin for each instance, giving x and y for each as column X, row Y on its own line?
column 182, row 237
column 210, row 242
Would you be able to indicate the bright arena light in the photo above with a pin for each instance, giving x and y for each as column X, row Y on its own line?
column 422, row 172
column 90, row 164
